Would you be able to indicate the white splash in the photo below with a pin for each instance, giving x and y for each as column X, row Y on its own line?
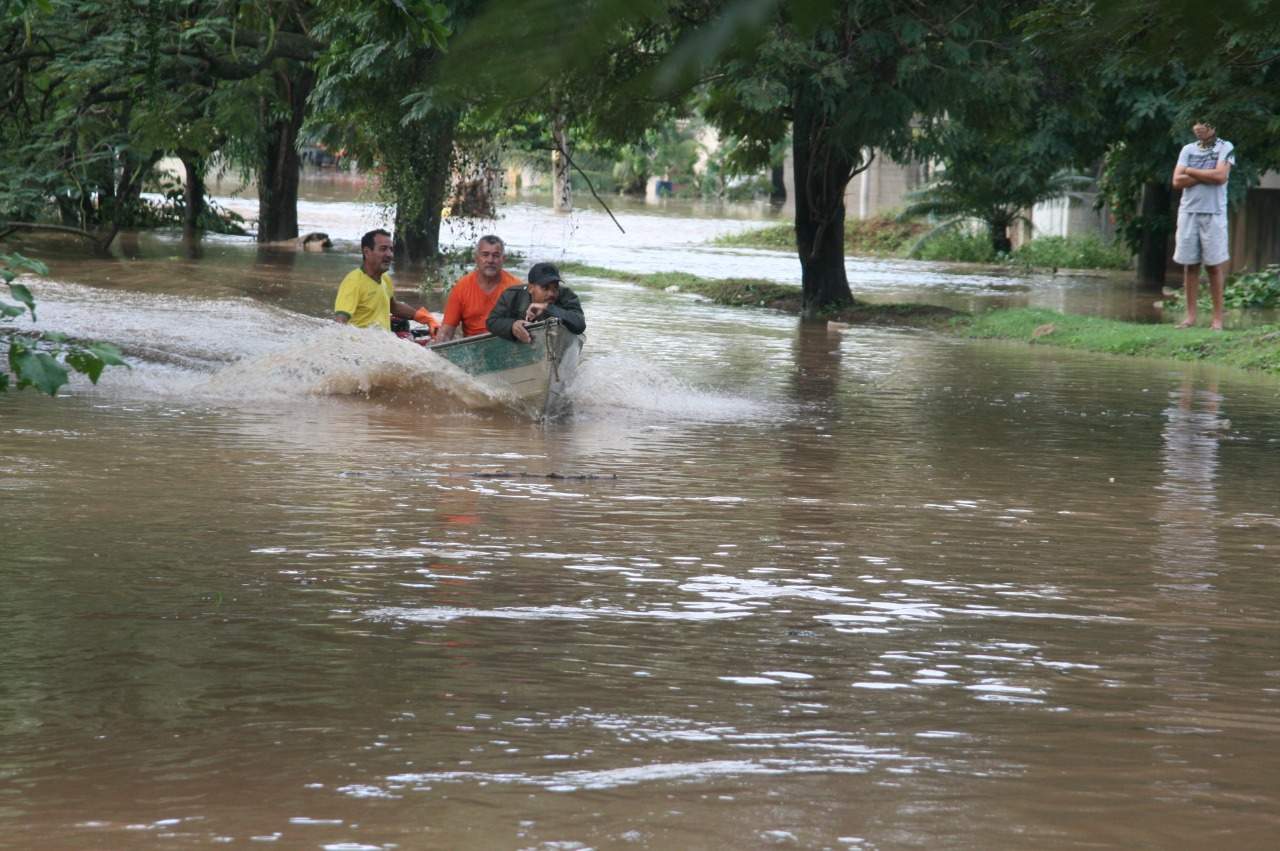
column 337, row 360
column 241, row 350
column 610, row 384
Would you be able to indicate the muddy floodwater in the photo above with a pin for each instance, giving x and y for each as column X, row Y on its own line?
column 287, row 584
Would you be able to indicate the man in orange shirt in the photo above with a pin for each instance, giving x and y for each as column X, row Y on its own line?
column 474, row 294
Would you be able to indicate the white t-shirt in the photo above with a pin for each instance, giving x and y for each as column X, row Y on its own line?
column 1205, row 197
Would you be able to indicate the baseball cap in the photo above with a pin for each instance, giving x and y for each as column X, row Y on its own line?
column 544, row 273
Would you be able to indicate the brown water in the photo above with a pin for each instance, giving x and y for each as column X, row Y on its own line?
column 874, row 590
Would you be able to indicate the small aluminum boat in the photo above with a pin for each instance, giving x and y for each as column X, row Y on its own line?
column 535, row 374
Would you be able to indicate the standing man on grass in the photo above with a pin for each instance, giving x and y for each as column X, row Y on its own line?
column 366, row 295
column 475, row 293
column 1202, row 172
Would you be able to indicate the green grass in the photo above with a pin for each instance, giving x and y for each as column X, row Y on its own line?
column 1252, row 348
column 885, row 236
column 754, row 292
column 781, row 237
column 738, row 292
column 880, row 236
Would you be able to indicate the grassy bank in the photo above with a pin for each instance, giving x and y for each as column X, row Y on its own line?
column 736, row 292
column 880, row 236
column 1253, row 348
column 885, row 236
column 755, row 292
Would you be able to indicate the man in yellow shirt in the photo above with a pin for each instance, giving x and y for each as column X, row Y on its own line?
column 366, row 295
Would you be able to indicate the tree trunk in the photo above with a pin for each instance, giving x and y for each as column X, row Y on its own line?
column 562, row 190
column 281, row 164
column 126, row 194
column 777, row 185
column 1000, row 241
column 97, row 202
column 1156, row 217
column 822, row 171
column 418, row 223
column 69, row 213
column 193, row 197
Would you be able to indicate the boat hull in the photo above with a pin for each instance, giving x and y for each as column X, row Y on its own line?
column 534, row 375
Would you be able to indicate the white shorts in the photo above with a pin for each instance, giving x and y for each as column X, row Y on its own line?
column 1202, row 238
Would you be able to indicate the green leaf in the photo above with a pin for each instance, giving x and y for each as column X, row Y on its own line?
column 36, row 369
column 30, row 265
column 911, row 30
column 12, row 264
column 10, row 310
column 84, row 361
column 107, row 353
column 23, row 294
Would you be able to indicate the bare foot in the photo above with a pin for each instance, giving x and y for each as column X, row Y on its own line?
column 1216, row 325
column 1186, row 323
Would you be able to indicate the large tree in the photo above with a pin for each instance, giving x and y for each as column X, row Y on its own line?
column 591, row 93
column 996, row 154
column 1148, row 69
column 851, row 78
column 262, row 51
column 94, row 92
column 845, row 76
column 68, row 80
column 379, row 58
column 994, row 178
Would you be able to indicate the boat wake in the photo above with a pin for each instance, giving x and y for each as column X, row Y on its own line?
column 613, row 384
column 337, row 360
column 239, row 350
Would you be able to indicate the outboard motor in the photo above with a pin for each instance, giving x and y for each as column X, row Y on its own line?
column 400, row 327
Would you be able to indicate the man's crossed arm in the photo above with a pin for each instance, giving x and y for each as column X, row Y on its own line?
column 1184, row 176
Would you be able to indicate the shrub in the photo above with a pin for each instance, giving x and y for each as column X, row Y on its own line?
column 956, row 245
column 1090, row 251
column 1249, row 291
column 1254, row 290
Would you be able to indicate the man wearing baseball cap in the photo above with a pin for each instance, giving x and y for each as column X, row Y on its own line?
column 545, row 296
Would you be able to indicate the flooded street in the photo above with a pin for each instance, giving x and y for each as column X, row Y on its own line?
column 767, row 586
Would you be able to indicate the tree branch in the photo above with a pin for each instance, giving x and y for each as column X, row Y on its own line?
column 565, row 154
column 864, row 167
column 7, row 228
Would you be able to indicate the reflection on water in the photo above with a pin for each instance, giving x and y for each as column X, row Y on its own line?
column 1188, row 549
column 283, row 582
column 1186, row 564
